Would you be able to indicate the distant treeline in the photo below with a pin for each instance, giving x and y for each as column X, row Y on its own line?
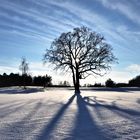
column 28, row 80
column 135, row 82
column 24, row 80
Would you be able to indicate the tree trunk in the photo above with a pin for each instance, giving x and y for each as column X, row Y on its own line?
column 73, row 76
column 77, row 85
column 77, row 90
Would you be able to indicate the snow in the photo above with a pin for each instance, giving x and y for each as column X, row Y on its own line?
column 59, row 114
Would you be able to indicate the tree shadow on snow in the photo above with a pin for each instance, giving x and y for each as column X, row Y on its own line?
column 23, row 127
column 46, row 133
column 138, row 101
column 85, row 127
column 94, row 102
column 13, row 107
column 20, row 90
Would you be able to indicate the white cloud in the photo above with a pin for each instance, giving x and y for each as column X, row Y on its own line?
column 135, row 68
column 8, row 69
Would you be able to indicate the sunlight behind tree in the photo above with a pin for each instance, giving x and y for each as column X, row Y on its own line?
column 81, row 52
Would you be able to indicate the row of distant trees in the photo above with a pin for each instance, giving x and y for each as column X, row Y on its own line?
column 46, row 81
column 24, row 80
column 135, row 82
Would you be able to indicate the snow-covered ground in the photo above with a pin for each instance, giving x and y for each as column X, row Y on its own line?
column 59, row 114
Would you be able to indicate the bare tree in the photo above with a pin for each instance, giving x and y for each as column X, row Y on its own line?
column 82, row 52
column 24, row 67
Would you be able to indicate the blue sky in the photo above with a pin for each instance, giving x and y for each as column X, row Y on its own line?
column 27, row 28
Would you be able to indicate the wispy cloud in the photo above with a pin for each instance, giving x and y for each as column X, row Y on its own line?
column 127, row 8
column 120, row 39
column 38, row 23
column 65, row 16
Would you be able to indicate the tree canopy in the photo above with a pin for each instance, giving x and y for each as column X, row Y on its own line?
column 81, row 52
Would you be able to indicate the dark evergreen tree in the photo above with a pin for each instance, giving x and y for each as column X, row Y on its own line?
column 110, row 83
column 135, row 81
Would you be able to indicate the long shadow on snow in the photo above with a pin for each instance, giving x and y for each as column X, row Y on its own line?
column 26, row 124
column 85, row 127
column 46, row 134
column 12, row 108
column 127, row 114
column 20, row 90
column 138, row 100
column 100, row 103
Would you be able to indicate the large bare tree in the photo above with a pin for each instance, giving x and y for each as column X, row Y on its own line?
column 82, row 52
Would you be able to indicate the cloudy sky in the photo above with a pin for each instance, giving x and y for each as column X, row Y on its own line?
column 27, row 28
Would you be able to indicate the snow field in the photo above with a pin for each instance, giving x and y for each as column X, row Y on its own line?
column 59, row 114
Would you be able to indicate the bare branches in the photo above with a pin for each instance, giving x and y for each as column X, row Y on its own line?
column 82, row 51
